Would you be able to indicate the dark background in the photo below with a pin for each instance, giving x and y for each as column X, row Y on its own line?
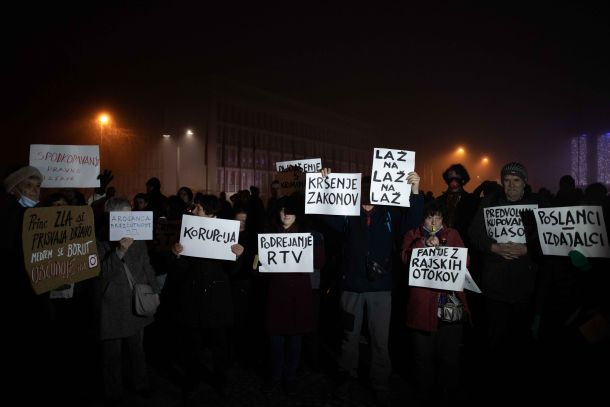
column 512, row 81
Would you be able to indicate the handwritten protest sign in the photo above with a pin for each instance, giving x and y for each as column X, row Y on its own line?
column 583, row 228
column 441, row 267
column 59, row 246
column 138, row 225
column 285, row 252
column 208, row 237
column 66, row 166
column 166, row 234
column 504, row 223
column 389, row 178
column 291, row 181
column 335, row 194
column 310, row 165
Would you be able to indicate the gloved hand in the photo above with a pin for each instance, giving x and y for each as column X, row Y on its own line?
column 536, row 326
column 580, row 261
column 105, row 177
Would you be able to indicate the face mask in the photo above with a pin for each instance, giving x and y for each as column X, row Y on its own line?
column 27, row 202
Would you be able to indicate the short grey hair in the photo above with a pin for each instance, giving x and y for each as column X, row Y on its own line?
column 117, row 205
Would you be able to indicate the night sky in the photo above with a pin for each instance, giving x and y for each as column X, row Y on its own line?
column 511, row 81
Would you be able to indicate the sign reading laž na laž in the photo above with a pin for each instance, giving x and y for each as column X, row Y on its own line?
column 389, row 177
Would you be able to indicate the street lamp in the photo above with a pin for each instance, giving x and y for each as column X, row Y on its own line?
column 103, row 120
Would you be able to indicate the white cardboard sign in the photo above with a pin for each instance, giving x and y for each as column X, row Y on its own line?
column 504, row 223
column 285, row 252
column 309, row 165
column 389, row 177
column 66, row 166
column 581, row 228
column 440, row 267
column 335, row 194
column 208, row 237
column 138, row 225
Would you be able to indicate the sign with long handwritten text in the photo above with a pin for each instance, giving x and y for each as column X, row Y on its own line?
column 582, row 228
column 335, row 194
column 208, row 237
column 66, row 166
column 137, row 225
column 59, row 246
column 389, row 177
column 285, row 252
column 441, row 267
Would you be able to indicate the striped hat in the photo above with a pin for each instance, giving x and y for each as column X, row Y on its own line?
column 514, row 168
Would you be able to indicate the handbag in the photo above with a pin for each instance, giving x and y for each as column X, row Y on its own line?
column 145, row 300
column 450, row 308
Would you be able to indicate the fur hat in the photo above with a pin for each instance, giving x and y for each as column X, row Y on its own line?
column 23, row 173
column 514, row 168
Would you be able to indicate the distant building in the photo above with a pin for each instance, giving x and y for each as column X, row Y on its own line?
column 237, row 134
column 590, row 159
column 579, row 156
column 603, row 159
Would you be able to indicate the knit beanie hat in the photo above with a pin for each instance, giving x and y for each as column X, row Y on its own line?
column 514, row 168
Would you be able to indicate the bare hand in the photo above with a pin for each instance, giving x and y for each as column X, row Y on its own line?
column 177, row 249
column 510, row 250
column 125, row 243
column 325, row 172
column 413, row 179
column 237, row 249
column 432, row 241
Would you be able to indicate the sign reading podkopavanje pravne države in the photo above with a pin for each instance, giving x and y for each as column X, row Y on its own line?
column 59, row 246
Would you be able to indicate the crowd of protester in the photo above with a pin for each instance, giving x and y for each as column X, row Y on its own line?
column 533, row 311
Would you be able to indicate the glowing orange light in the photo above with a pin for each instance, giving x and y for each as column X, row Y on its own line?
column 485, row 160
column 461, row 150
column 104, row 119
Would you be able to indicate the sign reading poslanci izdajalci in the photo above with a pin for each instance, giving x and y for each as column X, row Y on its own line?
column 208, row 237
column 285, row 252
column 59, row 246
column 66, row 166
column 389, row 184
column 582, row 228
column 441, row 267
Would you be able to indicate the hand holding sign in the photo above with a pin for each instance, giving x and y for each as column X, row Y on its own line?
column 237, row 249
column 177, row 249
column 125, row 243
column 413, row 179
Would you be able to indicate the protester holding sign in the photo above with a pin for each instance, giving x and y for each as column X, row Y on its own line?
column 366, row 277
column 509, row 273
column 289, row 300
column 436, row 338
column 204, row 308
column 124, row 263
column 27, row 315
